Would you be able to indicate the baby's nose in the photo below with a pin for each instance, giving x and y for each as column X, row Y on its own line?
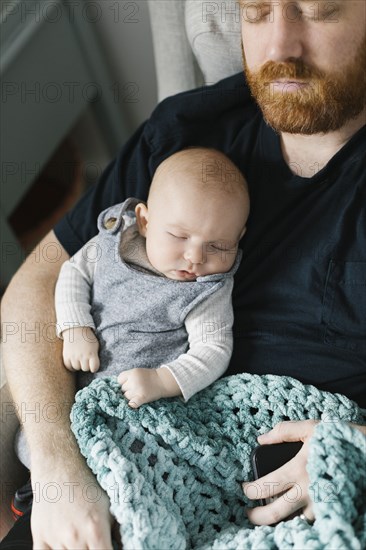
column 195, row 255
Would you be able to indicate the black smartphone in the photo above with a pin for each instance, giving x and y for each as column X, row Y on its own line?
column 267, row 458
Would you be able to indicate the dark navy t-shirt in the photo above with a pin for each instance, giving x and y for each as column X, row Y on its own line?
column 300, row 293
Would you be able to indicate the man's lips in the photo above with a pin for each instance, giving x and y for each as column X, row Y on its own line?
column 288, row 85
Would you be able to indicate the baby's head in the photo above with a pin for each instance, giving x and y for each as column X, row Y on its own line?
column 196, row 214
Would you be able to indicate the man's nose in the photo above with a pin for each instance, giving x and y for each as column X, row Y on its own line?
column 195, row 254
column 285, row 37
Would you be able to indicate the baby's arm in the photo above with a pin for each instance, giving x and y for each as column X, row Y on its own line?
column 210, row 339
column 75, row 323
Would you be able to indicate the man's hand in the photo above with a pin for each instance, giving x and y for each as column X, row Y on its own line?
column 72, row 514
column 37, row 379
column 290, row 481
column 80, row 349
column 141, row 386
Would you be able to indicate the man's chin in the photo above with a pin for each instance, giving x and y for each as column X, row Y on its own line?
column 305, row 120
column 298, row 121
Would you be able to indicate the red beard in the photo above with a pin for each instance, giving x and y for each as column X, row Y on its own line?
column 324, row 105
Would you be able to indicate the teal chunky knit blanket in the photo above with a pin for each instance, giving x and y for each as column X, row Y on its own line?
column 173, row 471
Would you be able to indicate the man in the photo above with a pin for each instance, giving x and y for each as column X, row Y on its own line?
column 298, row 299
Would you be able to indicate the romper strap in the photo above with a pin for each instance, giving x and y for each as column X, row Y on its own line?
column 112, row 219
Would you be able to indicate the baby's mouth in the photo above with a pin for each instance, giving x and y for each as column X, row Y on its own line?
column 187, row 274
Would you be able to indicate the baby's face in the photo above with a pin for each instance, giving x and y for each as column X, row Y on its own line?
column 189, row 235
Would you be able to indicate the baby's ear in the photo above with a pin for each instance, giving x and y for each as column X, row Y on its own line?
column 141, row 218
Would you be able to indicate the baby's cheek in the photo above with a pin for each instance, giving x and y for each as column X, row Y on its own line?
column 225, row 260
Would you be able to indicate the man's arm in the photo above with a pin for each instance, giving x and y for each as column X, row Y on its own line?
column 43, row 392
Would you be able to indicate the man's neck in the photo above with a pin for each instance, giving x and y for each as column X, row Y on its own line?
column 306, row 155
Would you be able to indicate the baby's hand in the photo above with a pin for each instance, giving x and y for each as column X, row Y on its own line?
column 80, row 350
column 141, row 386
